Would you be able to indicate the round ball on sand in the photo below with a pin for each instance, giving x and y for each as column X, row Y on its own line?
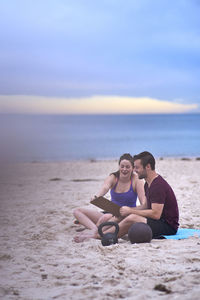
column 140, row 233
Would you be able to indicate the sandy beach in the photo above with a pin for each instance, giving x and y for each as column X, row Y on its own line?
column 39, row 259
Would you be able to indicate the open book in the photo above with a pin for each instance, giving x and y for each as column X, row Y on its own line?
column 107, row 205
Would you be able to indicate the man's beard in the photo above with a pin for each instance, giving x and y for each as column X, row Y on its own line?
column 142, row 176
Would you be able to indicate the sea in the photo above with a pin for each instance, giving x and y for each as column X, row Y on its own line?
column 98, row 137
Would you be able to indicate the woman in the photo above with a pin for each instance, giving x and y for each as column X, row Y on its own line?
column 124, row 187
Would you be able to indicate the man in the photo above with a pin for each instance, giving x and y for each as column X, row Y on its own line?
column 161, row 212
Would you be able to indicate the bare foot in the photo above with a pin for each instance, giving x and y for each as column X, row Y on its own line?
column 85, row 236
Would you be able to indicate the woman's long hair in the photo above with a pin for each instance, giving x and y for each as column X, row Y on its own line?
column 126, row 156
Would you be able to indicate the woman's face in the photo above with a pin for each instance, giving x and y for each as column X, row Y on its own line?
column 125, row 168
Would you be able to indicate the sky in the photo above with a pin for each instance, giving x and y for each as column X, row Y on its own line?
column 91, row 56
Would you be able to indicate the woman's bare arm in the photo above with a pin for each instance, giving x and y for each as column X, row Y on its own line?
column 107, row 185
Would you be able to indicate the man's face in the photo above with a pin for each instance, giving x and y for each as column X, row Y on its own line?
column 138, row 167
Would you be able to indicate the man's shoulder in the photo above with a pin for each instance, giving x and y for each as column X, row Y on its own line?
column 161, row 182
column 158, row 182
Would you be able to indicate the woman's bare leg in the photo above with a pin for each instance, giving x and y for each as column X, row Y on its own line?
column 108, row 218
column 94, row 233
column 88, row 217
column 104, row 218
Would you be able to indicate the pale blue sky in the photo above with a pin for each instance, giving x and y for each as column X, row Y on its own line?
column 72, row 49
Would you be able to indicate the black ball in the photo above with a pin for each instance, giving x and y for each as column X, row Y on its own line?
column 140, row 233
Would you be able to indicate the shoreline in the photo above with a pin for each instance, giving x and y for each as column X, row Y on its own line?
column 168, row 158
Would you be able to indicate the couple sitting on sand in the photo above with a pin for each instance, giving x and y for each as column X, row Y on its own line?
column 158, row 205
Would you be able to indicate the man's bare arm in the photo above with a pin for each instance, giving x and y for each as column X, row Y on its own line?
column 154, row 212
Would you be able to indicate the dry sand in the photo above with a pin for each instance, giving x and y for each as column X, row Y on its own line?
column 40, row 260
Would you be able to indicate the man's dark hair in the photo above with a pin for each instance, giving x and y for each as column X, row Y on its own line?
column 146, row 158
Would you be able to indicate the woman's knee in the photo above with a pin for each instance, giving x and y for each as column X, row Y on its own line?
column 105, row 217
column 77, row 211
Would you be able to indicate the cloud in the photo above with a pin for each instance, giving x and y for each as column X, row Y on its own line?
column 90, row 105
column 79, row 48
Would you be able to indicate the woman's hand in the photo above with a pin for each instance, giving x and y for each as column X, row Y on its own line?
column 94, row 197
column 125, row 211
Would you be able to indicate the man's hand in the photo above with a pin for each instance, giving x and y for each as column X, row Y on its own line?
column 125, row 211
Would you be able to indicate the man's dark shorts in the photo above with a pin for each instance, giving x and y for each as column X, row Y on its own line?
column 160, row 228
